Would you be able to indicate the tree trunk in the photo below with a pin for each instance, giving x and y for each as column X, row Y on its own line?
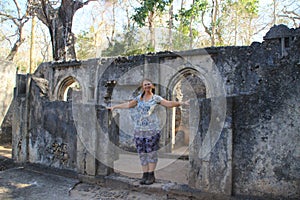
column 274, row 12
column 62, row 38
column 191, row 29
column 16, row 46
column 170, row 45
column 207, row 30
column 151, row 28
column 61, row 32
column 59, row 23
column 114, row 22
column 214, row 21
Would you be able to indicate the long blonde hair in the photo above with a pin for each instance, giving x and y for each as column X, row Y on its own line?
column 153, row 88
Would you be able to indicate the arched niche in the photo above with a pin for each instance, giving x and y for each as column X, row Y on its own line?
column 66, row 88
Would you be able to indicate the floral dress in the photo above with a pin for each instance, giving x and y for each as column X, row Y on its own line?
column 146, row 128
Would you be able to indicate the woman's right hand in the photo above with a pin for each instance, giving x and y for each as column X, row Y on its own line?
column 110, row 108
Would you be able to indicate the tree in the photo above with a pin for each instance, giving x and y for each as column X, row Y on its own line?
column 227, row 20
column 112, row 37
column 214, row 20
column 187, row 18
column 85, row 45
column 128, row 43
column 250, row 8
column 237, row 21
column 59, row 22
column 290, row 11
column 148, row 11
column 170, row 26
column 18, row 19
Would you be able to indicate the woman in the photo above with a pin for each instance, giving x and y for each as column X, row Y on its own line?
column 146, row 127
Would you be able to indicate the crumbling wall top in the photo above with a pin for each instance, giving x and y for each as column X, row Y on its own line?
column 281, row 31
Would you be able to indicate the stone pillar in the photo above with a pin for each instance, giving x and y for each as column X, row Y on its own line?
column 20, row 119
column 86, row 123
column 211, row 172
column 107, row 134
column 96, row 141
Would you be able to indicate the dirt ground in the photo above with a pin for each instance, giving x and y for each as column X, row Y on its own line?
column 38, row 182
column 27, row 183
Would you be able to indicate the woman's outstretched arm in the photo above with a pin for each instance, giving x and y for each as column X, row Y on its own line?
column 171, row 104
column 129, row 104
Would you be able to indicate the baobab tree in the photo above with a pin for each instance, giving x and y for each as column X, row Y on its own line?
column 58, row 15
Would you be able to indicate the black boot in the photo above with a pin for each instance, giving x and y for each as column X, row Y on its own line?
column 144, row 178
column 151, row 179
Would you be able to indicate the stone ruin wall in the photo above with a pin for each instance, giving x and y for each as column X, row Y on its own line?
column 8, row 74
column 257, row 152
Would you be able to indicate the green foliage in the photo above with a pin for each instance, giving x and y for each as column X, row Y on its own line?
column 250, row 6
column 22, row 67
column 194, row 12
column 237, row 21
column 243, row 7
column 118, row 48
column 128, row 43
column 84, row 45
column 184, row 30
column 180, row 42
column 186, row 17
column 141, row 13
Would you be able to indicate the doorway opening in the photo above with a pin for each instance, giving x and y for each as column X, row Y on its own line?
column 186, row 85
column 173, row 163
column 66, row 89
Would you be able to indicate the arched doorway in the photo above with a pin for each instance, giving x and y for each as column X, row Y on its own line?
column 187, row 84
column 66, row 88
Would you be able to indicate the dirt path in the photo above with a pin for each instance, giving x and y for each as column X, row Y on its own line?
column 26, row 183
column 29, row 182
column 36, row 183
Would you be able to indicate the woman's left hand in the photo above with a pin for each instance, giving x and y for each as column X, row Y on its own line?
column 186, row 103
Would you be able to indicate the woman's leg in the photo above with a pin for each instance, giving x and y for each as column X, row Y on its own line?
column 147, row 148
column 151, row 166
column 145, row 168
column 152, row 162
column 152, row 145
column 140, row 146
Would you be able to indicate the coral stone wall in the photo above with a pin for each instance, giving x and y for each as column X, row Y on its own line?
column 244, row 127
column 8, row 78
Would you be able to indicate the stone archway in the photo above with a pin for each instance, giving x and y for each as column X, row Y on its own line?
column 66, row 87
column 186, row 84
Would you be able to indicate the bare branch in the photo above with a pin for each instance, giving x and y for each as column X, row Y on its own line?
column 291, row 13
column 18, row 8
column 79, row 4
column 6, row 15
column 287, row 16
column 263, row 28
column 6, row 38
